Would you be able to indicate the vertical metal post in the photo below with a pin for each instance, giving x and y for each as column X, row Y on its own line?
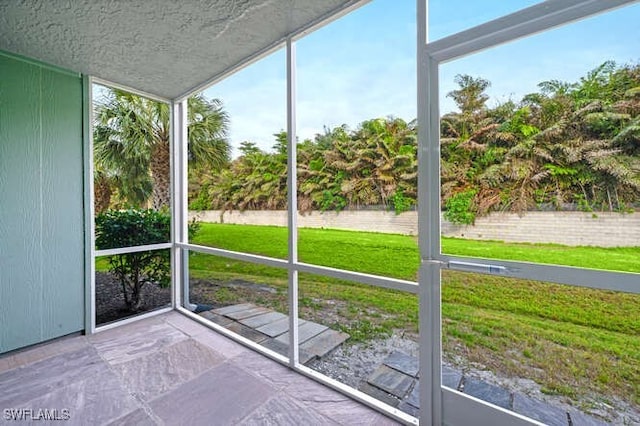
column 180, row 267
column 89, row 207
column 429, row 227
column 184, row 209
column 292, row 202
column 173, row 144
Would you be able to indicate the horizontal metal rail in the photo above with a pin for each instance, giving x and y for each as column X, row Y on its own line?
column 132, row 319
column 142, row 93
column 236, row 255
column 627, row 282
column 359, row 277
column 134, row 249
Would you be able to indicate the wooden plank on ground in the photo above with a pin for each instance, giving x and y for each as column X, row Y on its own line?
column 305, row 332
column 277, row 327
column 324, row 342
column 233, row 308
column 379, row 394
column 247, row 332
column 215, row 318
column 392, row 381
column 403, row 363
column 283, row 349
column 247, row 313
column 263, row 319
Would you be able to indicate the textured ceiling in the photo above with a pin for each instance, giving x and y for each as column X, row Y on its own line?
column 163, row 47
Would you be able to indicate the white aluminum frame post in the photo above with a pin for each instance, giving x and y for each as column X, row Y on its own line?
column 430, row 355
column 292, row 203
column 179, row 209
column 89, row 226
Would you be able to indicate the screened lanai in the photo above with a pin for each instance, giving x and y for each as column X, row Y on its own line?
column 55, row 55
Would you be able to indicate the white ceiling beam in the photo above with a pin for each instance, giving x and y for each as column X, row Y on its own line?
column 142, row 93
column 532, row 20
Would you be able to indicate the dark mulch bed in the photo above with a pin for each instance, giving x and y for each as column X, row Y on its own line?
column 110, row 304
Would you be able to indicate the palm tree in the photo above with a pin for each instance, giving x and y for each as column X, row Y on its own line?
column 322, row 170
column 103, row 190
column 256, row 180
column 131, row 141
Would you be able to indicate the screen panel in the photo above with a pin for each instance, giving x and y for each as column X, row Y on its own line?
column 363, row 336
column 530, row 346
column 239, row 195
column 132, row 169
column 246, row 298
column 539, row 165
column 130, row 284
column 357, row 147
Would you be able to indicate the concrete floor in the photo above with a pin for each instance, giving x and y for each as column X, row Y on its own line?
column 167, row 370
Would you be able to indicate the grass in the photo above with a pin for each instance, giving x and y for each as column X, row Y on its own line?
column 623, row 259
column 573, row 341
column 397, row 255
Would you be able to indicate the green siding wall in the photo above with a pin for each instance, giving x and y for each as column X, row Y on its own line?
column 41, row 204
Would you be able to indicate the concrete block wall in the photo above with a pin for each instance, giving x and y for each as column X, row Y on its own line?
column 567, row 228
column 373, row 221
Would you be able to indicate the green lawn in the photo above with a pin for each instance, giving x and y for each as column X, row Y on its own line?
column 397, row 255
column 624, row 259
column 571, row 340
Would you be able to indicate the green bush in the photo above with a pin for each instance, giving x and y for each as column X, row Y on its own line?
column 331, row 201
column 130, row 228
column 201, row 202
column 127, row 228
column 459, row 208
column 401, row 203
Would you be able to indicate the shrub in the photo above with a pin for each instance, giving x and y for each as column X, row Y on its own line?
column 130, row 228
column 459, row 208
column 401, row 203
column 201, row 202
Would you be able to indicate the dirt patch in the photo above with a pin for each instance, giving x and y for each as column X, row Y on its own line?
column 110, row 304
column 218, row 293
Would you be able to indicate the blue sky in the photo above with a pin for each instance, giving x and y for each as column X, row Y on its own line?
column 363, row 65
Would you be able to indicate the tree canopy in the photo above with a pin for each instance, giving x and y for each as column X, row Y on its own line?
column 132, row 156
column 568, row 145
